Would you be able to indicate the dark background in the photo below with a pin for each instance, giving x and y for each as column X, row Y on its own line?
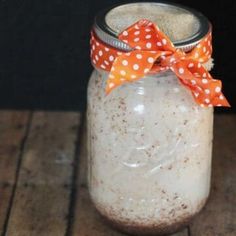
column 44, row 50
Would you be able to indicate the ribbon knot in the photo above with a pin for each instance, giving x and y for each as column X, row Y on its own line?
column 169, row 60
column 153, row 52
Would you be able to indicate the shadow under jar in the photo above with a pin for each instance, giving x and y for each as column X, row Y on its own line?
column 149, row 142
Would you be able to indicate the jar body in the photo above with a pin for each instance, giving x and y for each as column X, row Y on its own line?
column 149, row 153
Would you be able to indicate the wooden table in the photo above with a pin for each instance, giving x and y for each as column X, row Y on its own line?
column 43, row 185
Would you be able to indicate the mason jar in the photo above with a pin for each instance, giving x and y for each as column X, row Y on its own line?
column 149, row 142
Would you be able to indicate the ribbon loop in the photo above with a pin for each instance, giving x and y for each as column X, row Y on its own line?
column 152, row 52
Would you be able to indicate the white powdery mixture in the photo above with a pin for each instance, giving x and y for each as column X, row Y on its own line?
column 150, row 150
column 176, row 23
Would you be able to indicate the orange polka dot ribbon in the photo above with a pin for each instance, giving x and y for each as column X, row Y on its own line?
column 154, row 52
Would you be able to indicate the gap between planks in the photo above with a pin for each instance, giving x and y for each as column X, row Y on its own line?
column 42, row 196
column 14, row 127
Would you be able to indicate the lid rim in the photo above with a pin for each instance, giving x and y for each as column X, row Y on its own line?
column 109, row 36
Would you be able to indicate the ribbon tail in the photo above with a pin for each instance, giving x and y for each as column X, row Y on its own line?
column 131, row 66
column 206, row 91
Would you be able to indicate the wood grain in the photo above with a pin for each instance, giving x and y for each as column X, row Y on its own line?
column 12, row 132
column 42, row 197
column 44, row 194
column 219, row 216
column 87, row 222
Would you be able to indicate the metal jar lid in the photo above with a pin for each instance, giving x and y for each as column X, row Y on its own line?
column 109, row 35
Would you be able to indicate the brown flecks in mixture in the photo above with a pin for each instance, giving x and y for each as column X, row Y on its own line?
column 185, row 122
column 175, row 219
column 148, row 153
column 186, row 159
column 122, row 102
column 170, row 167
column 122, row 105
column 172, row 213
column 151, row 229
column 96, row 82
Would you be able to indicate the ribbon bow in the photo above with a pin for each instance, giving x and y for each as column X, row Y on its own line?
column 154, row 52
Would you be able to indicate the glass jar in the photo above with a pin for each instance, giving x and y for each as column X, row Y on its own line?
column 150, row 150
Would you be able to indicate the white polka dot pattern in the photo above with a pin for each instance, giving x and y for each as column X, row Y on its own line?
column 150, row 44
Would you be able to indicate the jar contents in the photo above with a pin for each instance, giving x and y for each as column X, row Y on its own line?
column 150, row 153
column 176, row 23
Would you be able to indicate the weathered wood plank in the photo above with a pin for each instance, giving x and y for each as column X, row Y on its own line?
column 87, row 222
column 42, row 197
column 12, row 132
column 219, row 216
column 83, row 161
